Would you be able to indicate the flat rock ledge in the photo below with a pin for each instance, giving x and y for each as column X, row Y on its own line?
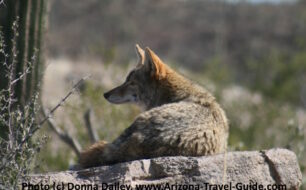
column 268, row 167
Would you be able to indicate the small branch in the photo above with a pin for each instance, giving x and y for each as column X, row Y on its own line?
column 26, row 71
column 10, row 70
column 53, row 109
column 64, row 99
column 91, row 130
column 39, row 125
column 64, row 136
column 10, row 88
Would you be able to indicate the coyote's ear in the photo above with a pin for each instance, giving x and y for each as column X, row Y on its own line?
column 154, row 65
column 140, row 54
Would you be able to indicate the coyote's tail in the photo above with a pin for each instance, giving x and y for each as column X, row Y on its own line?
column 92, row 156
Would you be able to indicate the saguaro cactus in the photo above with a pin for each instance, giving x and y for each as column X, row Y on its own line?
column 29, row 15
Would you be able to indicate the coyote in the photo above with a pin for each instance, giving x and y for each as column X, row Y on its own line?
column 181, row 118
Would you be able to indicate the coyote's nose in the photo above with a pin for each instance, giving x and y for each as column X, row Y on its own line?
column 106, row 95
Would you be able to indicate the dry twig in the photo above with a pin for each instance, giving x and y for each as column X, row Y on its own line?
column 46, row 118
column 91, row 130
column 64, row 136
column 74, row 88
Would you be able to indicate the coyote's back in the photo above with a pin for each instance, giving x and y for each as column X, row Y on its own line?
column 181, row 118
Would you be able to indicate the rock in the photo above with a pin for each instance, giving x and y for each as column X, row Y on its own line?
column 270, row 167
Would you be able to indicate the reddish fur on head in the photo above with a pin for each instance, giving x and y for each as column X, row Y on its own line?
column 158, row 68
column 151, row 79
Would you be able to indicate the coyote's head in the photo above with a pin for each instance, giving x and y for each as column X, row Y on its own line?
column 145, row 84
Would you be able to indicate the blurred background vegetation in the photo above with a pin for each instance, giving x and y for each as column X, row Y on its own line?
column 250, row 54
